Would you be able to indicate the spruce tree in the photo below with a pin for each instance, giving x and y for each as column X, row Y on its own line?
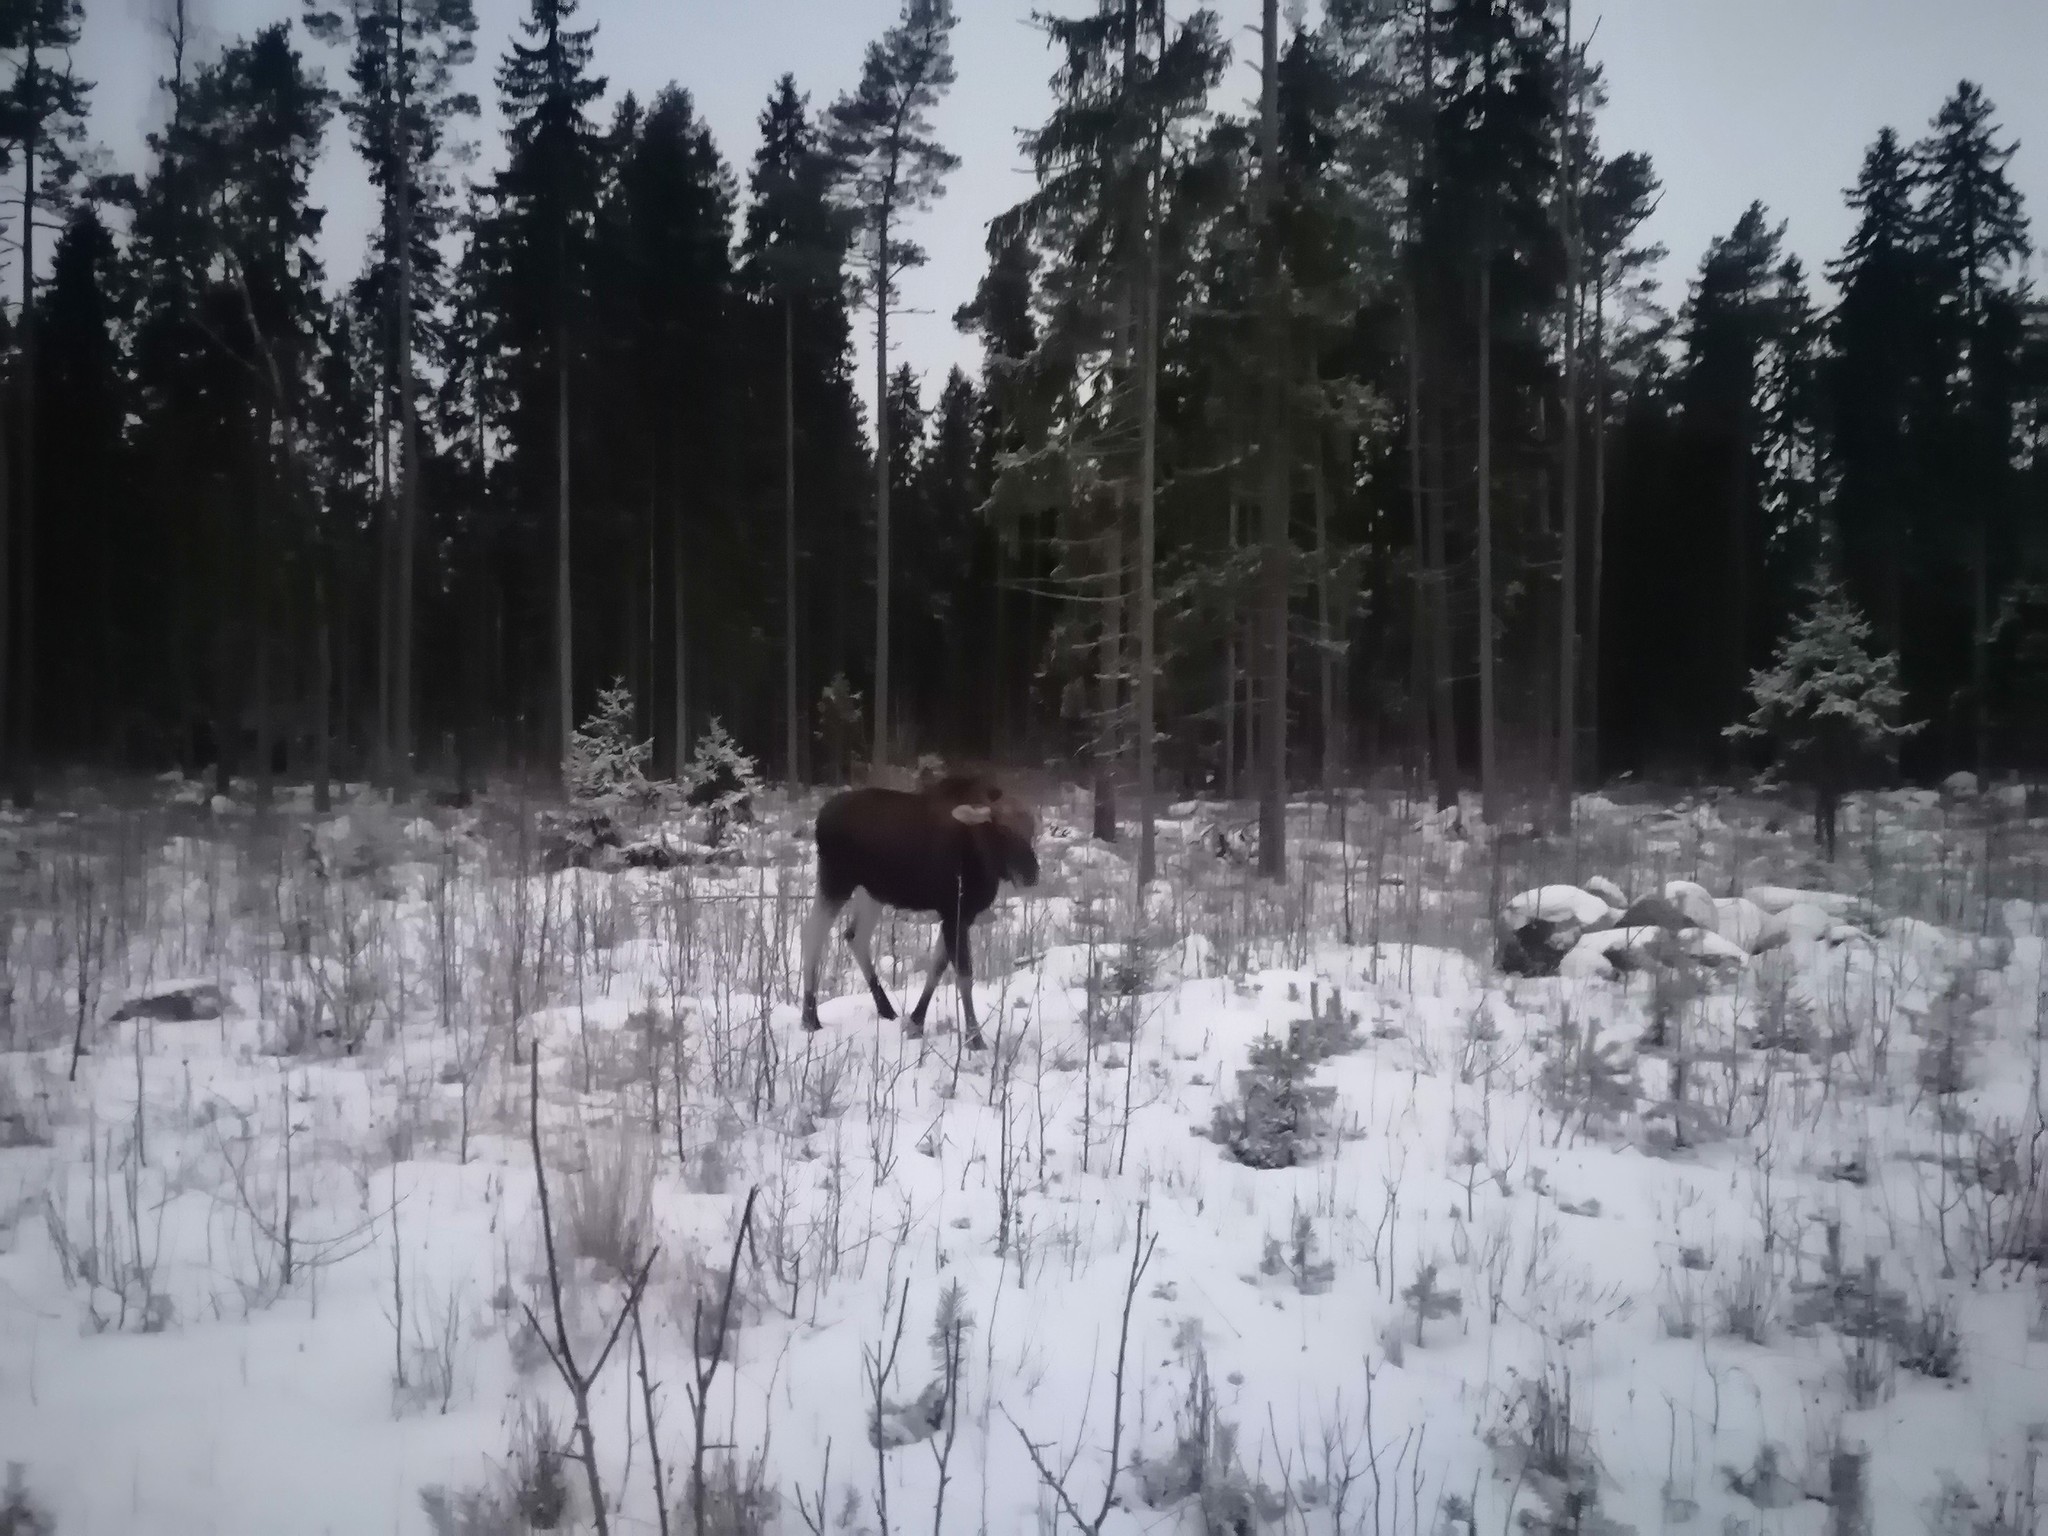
column 1880, row 333
column 1975, row 233
column 882, row 136
column 1827, row 704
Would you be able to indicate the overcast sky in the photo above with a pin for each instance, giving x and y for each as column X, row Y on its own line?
column 1732, row 99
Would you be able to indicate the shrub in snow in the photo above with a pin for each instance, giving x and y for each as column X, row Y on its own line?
column 20, row 1514
column 604, row 762
column 722, row 780
column 839, row 725
column 1272, row 1125
column 1826, row 704
column 738, row 1500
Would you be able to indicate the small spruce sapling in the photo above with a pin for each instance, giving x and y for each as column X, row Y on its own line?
column 1826, row 703
column 605, row 762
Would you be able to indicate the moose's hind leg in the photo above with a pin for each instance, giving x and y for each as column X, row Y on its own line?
column 817, row 934
column 860, row 938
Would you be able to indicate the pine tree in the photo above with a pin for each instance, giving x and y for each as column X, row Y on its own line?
column 405, row 55
column 666, row 310
column 1826, row 704
column 550, row 187
column 792, row 265
column 87, row 510
column 42, row 111
column 882, row 136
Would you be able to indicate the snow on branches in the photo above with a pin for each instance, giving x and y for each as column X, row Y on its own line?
column 1826, row 702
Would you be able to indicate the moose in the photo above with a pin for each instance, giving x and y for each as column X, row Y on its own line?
column 942, row 849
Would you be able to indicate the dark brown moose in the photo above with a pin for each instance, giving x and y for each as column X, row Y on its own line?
column 943, row 849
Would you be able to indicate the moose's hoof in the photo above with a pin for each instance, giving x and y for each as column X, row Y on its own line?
column 811, row 1024
column 913, row 1029
column 976, row 1043
column 885, row 1008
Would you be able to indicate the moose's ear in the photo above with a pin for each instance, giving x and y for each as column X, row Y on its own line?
column 972, row 815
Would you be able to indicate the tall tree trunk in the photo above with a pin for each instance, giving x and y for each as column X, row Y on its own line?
column 565, row 677
column 1109, row 667
column 1449, row 783
column 1276, row 479
column 1421, row 671
column 1568, row 576
column 791, row 711
column 1148, row 444
column 1980, row 646
column 387, row 586
column 7, row 593
column 1230, row 662
column 408, row 454
column 323, row 701
column 1489, row 768
column 1593, row 653
column 679, row 632
column 25, row 685
column 1326, row 626
column 881, row 752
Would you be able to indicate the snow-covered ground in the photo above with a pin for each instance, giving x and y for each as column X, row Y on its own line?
column 1750, row 1245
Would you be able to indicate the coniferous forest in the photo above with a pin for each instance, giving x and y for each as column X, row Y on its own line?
column 1343, row 432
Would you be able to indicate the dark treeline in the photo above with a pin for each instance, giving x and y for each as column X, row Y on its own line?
column 1347, row 434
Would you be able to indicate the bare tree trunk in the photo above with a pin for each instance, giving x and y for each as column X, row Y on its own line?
column 1420, row 669
column 387, row 558
column 565, row 677
column 1148, row 443
column 1568, row 579
column 323, row 696
column 1275, row 489
column 1449, row 782
column 1980, row 649
column 7, row 592
column 1489, row 783
column 25, row 682
column 792, row 766
column 1326, row 654
column 408, row 454
column 679, row 631
column 1109, row 698
column 1230, row 663
column 881, row 752
column 1593, row 659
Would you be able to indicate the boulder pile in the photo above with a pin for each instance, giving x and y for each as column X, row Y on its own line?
column 1596, row 929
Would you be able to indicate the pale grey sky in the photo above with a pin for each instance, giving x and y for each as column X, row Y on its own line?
column 1732, row 99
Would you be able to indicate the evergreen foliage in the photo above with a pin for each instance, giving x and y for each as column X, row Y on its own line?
column 1827, row 704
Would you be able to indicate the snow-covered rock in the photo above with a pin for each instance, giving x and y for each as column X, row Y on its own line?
column 1556, row 904
column 1607, row 891
column 1609, row 951
column 1657, row 912
column 1538, row 928
column 1797, row 920
column 1960, row 785
column 1711, row 949
column 1740, row 920
column 1694, row 901
column 1776, row 898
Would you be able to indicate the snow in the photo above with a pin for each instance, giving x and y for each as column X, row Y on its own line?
column 1693, row 900
column 1556, row 904
column 1665, row 1224
column 1739, row 919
